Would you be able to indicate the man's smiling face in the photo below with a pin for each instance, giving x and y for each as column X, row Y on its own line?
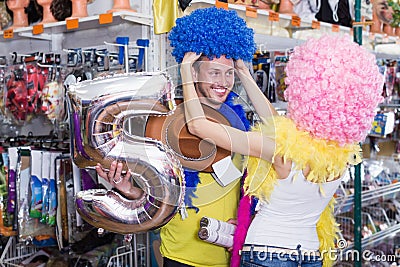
column 215, row 79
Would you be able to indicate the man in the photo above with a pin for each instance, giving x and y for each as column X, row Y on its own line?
column 180, row 245
column 202, row 32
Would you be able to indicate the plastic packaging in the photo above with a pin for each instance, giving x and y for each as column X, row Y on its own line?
column 46, row 165
column 52, row 208
column 36, row 205
column 17, row 94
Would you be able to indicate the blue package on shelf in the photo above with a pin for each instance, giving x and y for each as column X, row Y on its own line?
column 379, row 125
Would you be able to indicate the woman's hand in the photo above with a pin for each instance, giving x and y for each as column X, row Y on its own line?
column 240, row 67
column 190, row 58
column 186, row 66
column 121, row 182
column 234, row 222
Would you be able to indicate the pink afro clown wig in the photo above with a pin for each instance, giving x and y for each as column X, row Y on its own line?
column 333, row 87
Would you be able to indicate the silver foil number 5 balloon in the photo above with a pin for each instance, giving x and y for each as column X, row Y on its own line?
column 103, row 115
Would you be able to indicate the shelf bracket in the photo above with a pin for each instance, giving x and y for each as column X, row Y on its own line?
column 43, row 36
column 292, row 29
column 144, row 21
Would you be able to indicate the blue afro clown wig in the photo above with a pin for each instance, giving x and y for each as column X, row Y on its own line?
column 213, row 32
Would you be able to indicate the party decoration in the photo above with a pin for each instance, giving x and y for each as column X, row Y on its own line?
column 333, row 97
column 99, row 112
column 17, row 95
column 203, row 32
column 53, row 101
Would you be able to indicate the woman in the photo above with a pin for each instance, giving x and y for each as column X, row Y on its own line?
column 297, row 162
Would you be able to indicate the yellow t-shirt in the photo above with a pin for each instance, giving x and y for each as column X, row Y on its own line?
column 179, row 239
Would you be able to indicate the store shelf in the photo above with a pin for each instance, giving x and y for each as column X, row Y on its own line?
column 377, row 237
column 15, row 252
column 285, row 20
column 85, row 23
column 87, row 32
column 389, row 105
column 135, row 253
column 284, row 28
column 345, row 203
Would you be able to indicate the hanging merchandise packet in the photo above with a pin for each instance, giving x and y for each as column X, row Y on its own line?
column 36, row 184
column 5, row 219
column 46, row 158
column 11, row 189
column 52, row 207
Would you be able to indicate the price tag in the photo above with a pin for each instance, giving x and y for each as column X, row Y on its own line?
column 72, row 24
column 220, row 4
column 37, row 29
column 296, row 21
column 273, row 16
column 315, row 24
column 105, row 18
column 335, row 28
column 251, row 12
column 8, row 34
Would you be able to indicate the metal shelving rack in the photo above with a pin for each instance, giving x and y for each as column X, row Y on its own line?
column 374, row 224
column 14, row 252
column 135, row 254
column 91, row 32
column 346, row 202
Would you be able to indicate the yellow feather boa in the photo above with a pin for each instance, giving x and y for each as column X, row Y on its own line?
column 326, row 159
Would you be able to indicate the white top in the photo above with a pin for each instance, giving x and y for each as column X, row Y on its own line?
column 291, row 215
